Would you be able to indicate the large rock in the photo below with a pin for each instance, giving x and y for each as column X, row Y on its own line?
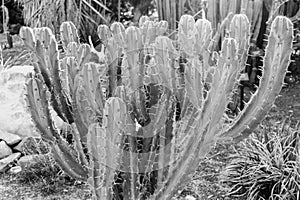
column 5, row 162
column 10, row 139
column 14, row 117
column 5, row 150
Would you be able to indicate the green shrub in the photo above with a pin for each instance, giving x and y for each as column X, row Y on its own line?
column 267, row 166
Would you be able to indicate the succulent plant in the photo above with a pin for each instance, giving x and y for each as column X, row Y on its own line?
column 141, row 122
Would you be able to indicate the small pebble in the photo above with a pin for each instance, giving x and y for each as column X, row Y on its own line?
column 189, row 197
column 15, row 170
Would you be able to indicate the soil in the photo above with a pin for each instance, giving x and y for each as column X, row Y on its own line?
column 205, row 184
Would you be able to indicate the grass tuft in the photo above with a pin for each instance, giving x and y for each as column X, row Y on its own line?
column 44, row 175
column 267, row 165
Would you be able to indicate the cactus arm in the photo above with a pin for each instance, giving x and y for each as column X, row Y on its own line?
column 148, row 31
column 68, row 33
column 203, row 35
column 234, row 6
column 164, row 53
column 83, row 55
column 5, row 18
column 165, row 143
column 224, row 79
column 84, row 115
column 27, row 35
column 96, row 146
column 118, row 33
column 64, row 77
column 114, row 124
column 103, row 143
column 161, row 27
column 256, row 18
column 180, row 139
column 66, row 159
column 212, row 14
column 72, row 49
column 203, row 39
column 114, row 41
column 186, row 33
column 143, row 19
column 276, row 60
column 92, row 87
column 132, row 50
column 69, row 70
column 113, row 61
column 104, row 33
column 193, row 83
column 54, row 67
column 239, row 29
column 217, row 35
column 42, row 65
column 224, row 6
column 36, row 99
column 79, row 145
column 83, row 88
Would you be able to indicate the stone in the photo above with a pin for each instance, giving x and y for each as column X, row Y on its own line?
column 9, row 138
column 15, row 170
column 31, row 145
column 5, row 150
column 6, row 162
column 189, row 197
column 14, row 117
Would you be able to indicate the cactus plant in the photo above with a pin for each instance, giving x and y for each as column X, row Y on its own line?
column 141, row 122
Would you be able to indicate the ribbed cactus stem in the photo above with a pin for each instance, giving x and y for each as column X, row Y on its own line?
column 118, row 33
column 5, row 18
column 37, row 100
column 148, row 30
column 92, row 87
column 104, row 33
column 186, row 33
column 28, row 37
column 239, row 29
column 133, row 47
column 212, row 13
column 68, row 33
column 104, row 144
column 275, row 62
column 66, row 159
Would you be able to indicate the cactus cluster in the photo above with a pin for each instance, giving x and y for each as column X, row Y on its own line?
column 137, row 125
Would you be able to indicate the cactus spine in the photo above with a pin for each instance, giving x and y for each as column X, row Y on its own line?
column 143, row 119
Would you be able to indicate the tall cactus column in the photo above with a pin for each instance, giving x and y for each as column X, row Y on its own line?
column 170, row 10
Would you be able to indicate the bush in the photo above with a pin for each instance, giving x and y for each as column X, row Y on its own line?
column 267, row 165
